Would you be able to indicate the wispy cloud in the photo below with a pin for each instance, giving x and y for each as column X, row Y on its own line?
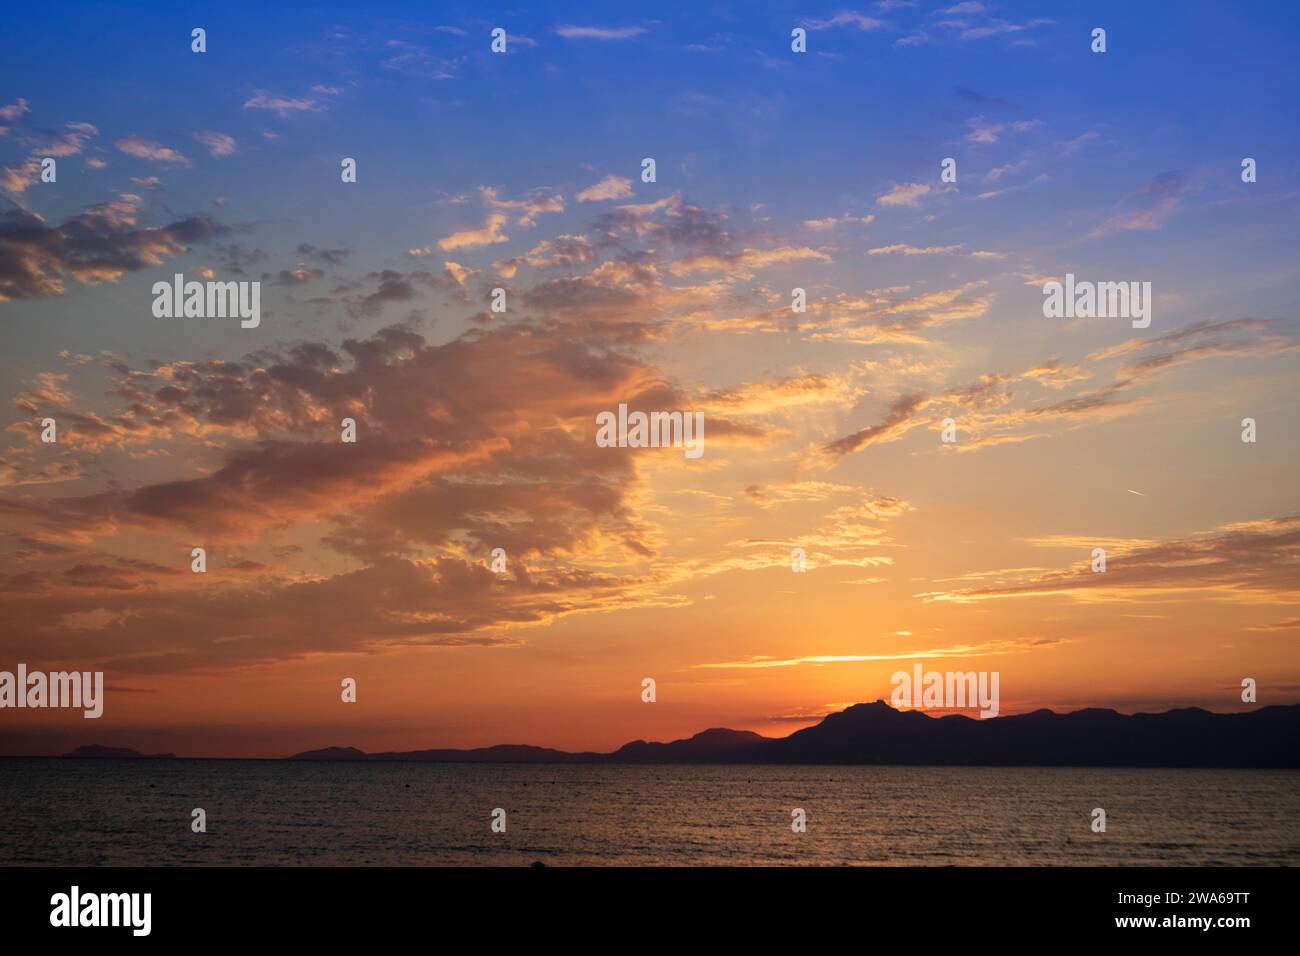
column 525, row 210
column 904, row 194
column 142, row 148
column 1146, row 209
column 486, row 235
column 611, row 187
column 746, row 261
column 902, row 248
column 1245, row 562
column 983, row 131
column 846, row 18
column 989, row 649
column 572, row 32
column 282, row 105
column 71, row 140
column 830, row 222
column 412, row 59
column 218, row 144
column 997, row 172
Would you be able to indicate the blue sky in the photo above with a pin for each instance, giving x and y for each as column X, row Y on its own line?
column 736, row 120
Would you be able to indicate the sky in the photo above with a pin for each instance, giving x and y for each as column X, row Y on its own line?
column 476, row 430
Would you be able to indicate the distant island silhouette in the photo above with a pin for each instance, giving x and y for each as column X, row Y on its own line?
column 96, row 750
column 878, row 734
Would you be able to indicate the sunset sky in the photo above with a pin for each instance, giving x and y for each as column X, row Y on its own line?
column 476, row 430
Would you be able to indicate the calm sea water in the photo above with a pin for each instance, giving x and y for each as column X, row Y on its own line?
column 88, row 812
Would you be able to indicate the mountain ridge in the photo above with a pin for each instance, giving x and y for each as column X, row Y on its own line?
column 100, row 752
column 875, row 733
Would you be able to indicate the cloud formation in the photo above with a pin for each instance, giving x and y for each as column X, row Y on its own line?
column 100, row 244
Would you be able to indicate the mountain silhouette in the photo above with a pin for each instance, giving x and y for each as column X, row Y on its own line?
column 1191, row 737
column 331, row 753
column 97, row 750
column 708, row 746
column 877, row 734
column 501, row 753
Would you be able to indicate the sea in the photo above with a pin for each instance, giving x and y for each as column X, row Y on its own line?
column 85, row 812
